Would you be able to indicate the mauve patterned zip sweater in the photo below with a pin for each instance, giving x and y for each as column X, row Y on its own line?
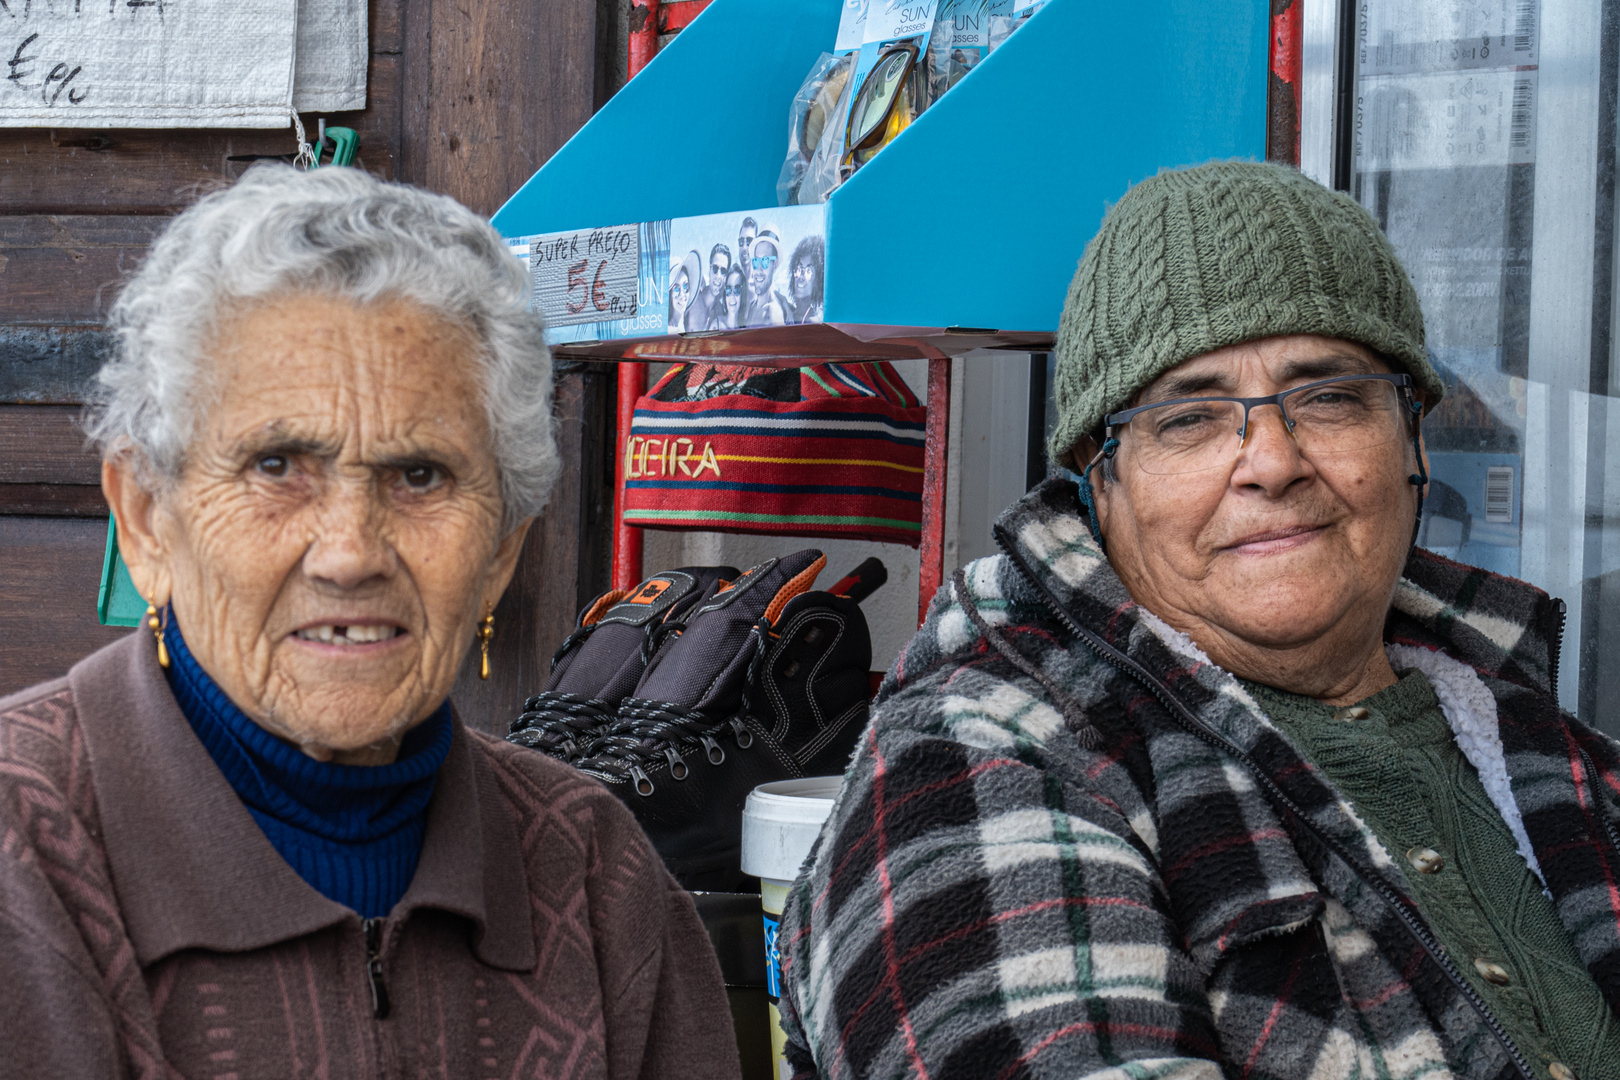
column 148, row 928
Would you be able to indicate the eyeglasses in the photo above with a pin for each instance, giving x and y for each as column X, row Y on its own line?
column 763, row 262
column 718, row 269
column 882, row 107
column 683, row 288
column 733, row 290
column 1332, row 416
column 804, row 270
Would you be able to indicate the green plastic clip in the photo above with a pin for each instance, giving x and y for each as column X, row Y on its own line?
column 117, row 602
column 345, row 144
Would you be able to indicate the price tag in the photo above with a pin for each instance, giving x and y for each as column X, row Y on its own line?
column 587, row 276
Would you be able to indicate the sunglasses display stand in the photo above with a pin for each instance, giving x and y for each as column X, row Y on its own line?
column 962, row 234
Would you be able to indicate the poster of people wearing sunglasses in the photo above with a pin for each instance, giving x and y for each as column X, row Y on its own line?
column 747, row 269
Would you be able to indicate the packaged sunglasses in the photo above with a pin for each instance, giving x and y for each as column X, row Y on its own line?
column 820, row 100
column 853, row 103
column 961, row 38
column 862, row 102
column 884, row 105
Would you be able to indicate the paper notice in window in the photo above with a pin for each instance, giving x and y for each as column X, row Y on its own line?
column 1446, row 120
column 1446, row 84
column 1449, row 35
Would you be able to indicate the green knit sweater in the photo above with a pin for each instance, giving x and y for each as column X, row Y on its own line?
column 1400, row 768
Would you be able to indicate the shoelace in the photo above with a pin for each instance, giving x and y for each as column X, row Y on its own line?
column 646, row 731
column 555, row 722
column 570, row 643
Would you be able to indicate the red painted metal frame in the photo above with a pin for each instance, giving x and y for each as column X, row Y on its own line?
column 1283, row 87
column 627, row 539
column 643, row 34
column 676, row 14
column 931, row 553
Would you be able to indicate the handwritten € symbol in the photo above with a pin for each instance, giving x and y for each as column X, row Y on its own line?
column 595, row 293
column 20, row 67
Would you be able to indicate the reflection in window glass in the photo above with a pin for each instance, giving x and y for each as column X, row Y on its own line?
column 1483, row 141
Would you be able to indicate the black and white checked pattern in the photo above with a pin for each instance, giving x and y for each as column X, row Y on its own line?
column 990, row 899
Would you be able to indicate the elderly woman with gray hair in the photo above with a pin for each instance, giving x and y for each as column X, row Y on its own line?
column 256, row 841
column 1210, row 773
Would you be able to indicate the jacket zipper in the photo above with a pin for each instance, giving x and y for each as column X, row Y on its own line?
column 1409, row 917
column 1562, row 610
column 374, row 968
column 1609, row 833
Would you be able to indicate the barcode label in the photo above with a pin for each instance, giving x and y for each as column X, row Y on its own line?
column 1524, row 113
column 1524, row 26
column 1401, row 37
column 1499, row 494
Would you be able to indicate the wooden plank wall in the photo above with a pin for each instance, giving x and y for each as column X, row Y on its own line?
column 467, row 97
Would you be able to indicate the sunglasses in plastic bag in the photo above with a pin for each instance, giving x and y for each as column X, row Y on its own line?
column 884, row 106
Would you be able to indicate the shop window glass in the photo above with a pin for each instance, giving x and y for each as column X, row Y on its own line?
column 1482, row 138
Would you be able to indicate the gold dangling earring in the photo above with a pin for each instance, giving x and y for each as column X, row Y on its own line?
column 156, row 624
column 485, row 633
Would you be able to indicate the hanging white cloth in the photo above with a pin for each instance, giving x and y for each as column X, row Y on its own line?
column 178, row 63
column 330, row 73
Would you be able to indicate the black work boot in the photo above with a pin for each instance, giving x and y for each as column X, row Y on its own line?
column 601, row 661
column 768, row 681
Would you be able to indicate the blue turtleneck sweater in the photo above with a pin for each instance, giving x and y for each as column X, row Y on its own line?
column 353, row 832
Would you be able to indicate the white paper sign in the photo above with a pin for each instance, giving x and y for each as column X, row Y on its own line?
column 178, row 63
column 589, row 276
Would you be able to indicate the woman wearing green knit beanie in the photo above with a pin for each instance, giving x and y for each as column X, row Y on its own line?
column 1211, row 771
column 1197, row 259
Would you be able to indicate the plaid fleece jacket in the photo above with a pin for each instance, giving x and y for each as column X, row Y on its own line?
column 991, row 900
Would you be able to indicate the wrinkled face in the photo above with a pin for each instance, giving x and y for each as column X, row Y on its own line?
column 335, row 536
column 1275, row 548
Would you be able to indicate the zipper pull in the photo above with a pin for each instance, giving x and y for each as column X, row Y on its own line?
column 374, row 969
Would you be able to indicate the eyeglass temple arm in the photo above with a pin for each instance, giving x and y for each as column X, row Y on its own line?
column 1088, row 498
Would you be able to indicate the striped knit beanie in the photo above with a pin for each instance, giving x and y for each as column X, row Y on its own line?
column 830, row 450
column 1196, row 259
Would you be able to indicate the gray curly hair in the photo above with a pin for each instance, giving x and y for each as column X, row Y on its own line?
column 338, row 232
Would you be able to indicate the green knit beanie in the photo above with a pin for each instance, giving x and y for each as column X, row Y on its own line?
column 1197, row 259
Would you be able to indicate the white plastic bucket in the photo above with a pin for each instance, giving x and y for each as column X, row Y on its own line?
column 780, row 823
